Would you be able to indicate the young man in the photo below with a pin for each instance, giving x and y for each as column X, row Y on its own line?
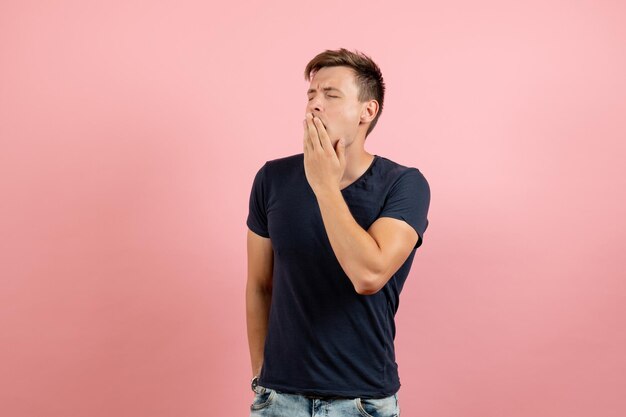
column 332, row 236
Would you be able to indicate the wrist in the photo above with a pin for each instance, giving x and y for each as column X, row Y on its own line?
column 328, row 192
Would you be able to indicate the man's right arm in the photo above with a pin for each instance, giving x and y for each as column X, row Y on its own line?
column 258, row 295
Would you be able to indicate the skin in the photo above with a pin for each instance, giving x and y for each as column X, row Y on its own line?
column 369, row 258
column 334, row 156
column 343, row 116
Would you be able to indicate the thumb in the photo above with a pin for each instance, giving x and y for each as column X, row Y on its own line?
column 341, row 151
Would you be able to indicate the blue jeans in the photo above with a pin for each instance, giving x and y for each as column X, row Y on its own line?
column 271, row 403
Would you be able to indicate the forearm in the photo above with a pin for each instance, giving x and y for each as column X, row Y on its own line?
column 258, row 301
column 357, row 251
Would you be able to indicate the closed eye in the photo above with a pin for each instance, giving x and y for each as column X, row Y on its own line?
column 328, row 96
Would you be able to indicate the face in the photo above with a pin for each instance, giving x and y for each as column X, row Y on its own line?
column 333, row 97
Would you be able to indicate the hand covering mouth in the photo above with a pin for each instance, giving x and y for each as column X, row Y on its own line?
column 323, row 123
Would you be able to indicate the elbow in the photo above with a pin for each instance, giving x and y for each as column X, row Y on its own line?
column 369, row 285
column 367, row 291
column 369, row 277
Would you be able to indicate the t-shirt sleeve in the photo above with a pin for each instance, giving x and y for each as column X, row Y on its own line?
column 257, row 214
column 408, row 200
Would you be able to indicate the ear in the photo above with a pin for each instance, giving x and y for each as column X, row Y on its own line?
column 369, row 112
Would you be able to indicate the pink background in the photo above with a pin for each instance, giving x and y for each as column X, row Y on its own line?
column 131, row 132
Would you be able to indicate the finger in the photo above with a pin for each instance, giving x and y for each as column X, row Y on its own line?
column 315, row 140
column 341, row 153
column 305, row 139
column 323, row 135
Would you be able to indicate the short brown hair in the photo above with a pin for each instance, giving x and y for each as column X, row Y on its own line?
column 369, row 79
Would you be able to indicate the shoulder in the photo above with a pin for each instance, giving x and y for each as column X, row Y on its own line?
column 399, row 173
column 284, row 165
column 277, row 173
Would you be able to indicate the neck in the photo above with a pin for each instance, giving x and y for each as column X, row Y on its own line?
column 357, row 162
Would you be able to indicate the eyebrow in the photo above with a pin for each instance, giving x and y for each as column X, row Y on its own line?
column 312, row 90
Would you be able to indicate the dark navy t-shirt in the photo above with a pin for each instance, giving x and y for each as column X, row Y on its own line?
column 325, row 339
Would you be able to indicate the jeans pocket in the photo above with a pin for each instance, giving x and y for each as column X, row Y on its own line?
column 378, row 407
column 263, row 397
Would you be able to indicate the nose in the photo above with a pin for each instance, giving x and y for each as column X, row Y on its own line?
column 314, row 106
